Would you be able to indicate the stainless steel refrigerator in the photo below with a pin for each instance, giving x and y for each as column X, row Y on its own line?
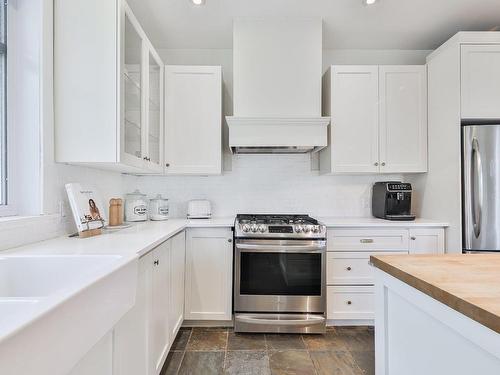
column 481, row 187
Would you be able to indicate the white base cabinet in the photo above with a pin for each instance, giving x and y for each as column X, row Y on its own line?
column 177, row 276
column 209, row 271
column 378, row 119
column 143, row 337
column 159, row 332
column 349, row 276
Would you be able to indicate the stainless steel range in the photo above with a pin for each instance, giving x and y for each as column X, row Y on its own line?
column 279, row 278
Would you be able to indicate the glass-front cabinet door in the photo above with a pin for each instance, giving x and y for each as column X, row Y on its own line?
column 155, row 111
column 132, row 110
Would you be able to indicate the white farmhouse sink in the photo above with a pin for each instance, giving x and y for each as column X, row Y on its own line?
column 41, row 276
column 59, row 306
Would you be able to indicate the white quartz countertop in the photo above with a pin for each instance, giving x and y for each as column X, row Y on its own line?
column 142, row 237
column 136, row 240
column 364, row 222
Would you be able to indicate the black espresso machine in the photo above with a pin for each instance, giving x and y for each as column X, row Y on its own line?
column 391, row 200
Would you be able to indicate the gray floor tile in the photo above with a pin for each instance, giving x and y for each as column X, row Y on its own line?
column 366, row 361
column 246, row 341
column 247, row 363
column 334, row 363
column 202, row 363
column 172, row 363
column 284, row 341
column 207, row 340
column 291, row 362
column 328, row 341
column 357, row 338
column 181, row 339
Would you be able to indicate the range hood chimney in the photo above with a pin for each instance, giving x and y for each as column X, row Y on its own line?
column 277, row 87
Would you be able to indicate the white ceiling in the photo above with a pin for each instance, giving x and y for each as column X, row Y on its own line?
column 389, row 24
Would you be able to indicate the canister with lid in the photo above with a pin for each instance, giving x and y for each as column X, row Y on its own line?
column 136, row 206
column 158, row 208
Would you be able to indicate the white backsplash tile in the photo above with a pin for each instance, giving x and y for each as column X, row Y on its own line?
column 266, row 184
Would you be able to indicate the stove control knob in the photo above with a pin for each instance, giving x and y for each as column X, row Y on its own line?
column 262, row 228
column 306, row 229
column 254, row 228
column 315, row 229
column 298, row 228
column 246, row 228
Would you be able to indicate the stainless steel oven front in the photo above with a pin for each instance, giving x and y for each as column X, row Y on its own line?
column 280, row 285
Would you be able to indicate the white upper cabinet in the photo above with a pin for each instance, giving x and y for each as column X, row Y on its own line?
column 379, row 119
column 480, row 81
column 403, row 118
column 351, row 95
column 193, row 120
column 108, row 83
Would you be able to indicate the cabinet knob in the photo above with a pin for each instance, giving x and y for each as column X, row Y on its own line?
column 167, row 165
column 349, row 302
column 413, row 238
column 229, row 240
column 156, row 262
column 349, row 268
column 383, row 164
column 376, row 164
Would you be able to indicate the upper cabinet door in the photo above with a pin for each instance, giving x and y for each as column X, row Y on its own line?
column 154, row 104
column 403, row 118
column 480, row 81
column 193, row 120
column 353, row 143
column 133, row 93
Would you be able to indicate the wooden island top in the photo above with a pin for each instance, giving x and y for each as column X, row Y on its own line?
column 467, row 283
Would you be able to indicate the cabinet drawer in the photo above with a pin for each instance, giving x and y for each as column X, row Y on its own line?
column 367, row 239
column 350, row 302
column 343, row 268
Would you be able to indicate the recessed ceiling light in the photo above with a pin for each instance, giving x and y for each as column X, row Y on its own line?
column 369, row 2
column 198, row 2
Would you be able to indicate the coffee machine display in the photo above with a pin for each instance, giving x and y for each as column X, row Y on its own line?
column 392, row 201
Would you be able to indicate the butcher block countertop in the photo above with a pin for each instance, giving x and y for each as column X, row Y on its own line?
column 469, row 284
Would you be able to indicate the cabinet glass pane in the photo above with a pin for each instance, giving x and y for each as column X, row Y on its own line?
column 133, row 89
column 154, row 110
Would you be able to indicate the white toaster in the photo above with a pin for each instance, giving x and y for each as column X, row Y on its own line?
column 199, row 209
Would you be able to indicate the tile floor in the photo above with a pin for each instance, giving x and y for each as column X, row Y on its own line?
column 206, row 351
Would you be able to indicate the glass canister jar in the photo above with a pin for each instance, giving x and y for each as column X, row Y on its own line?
column 158, row 208
column 136, row 206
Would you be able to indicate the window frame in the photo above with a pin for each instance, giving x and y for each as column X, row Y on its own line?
column 9, row 209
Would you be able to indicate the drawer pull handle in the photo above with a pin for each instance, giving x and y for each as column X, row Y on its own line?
column 366, row 240
column 349, row 302
column 349, row 268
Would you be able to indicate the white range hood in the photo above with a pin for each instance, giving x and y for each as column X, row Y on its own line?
column 277, row 87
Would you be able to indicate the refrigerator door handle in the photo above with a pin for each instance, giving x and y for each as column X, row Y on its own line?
column 476, row 187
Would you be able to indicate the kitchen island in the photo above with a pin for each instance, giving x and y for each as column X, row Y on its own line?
column 437, row 314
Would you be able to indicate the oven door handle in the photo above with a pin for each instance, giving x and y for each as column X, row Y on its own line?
column 281, row 248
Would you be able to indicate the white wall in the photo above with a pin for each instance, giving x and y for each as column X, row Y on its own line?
column 262, row 183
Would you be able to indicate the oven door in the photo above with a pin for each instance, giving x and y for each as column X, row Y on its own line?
column 280, row 276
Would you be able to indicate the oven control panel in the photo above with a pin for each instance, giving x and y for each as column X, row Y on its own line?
column 280, row 229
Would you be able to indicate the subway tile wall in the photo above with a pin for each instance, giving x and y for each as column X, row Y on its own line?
column 266, row 184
